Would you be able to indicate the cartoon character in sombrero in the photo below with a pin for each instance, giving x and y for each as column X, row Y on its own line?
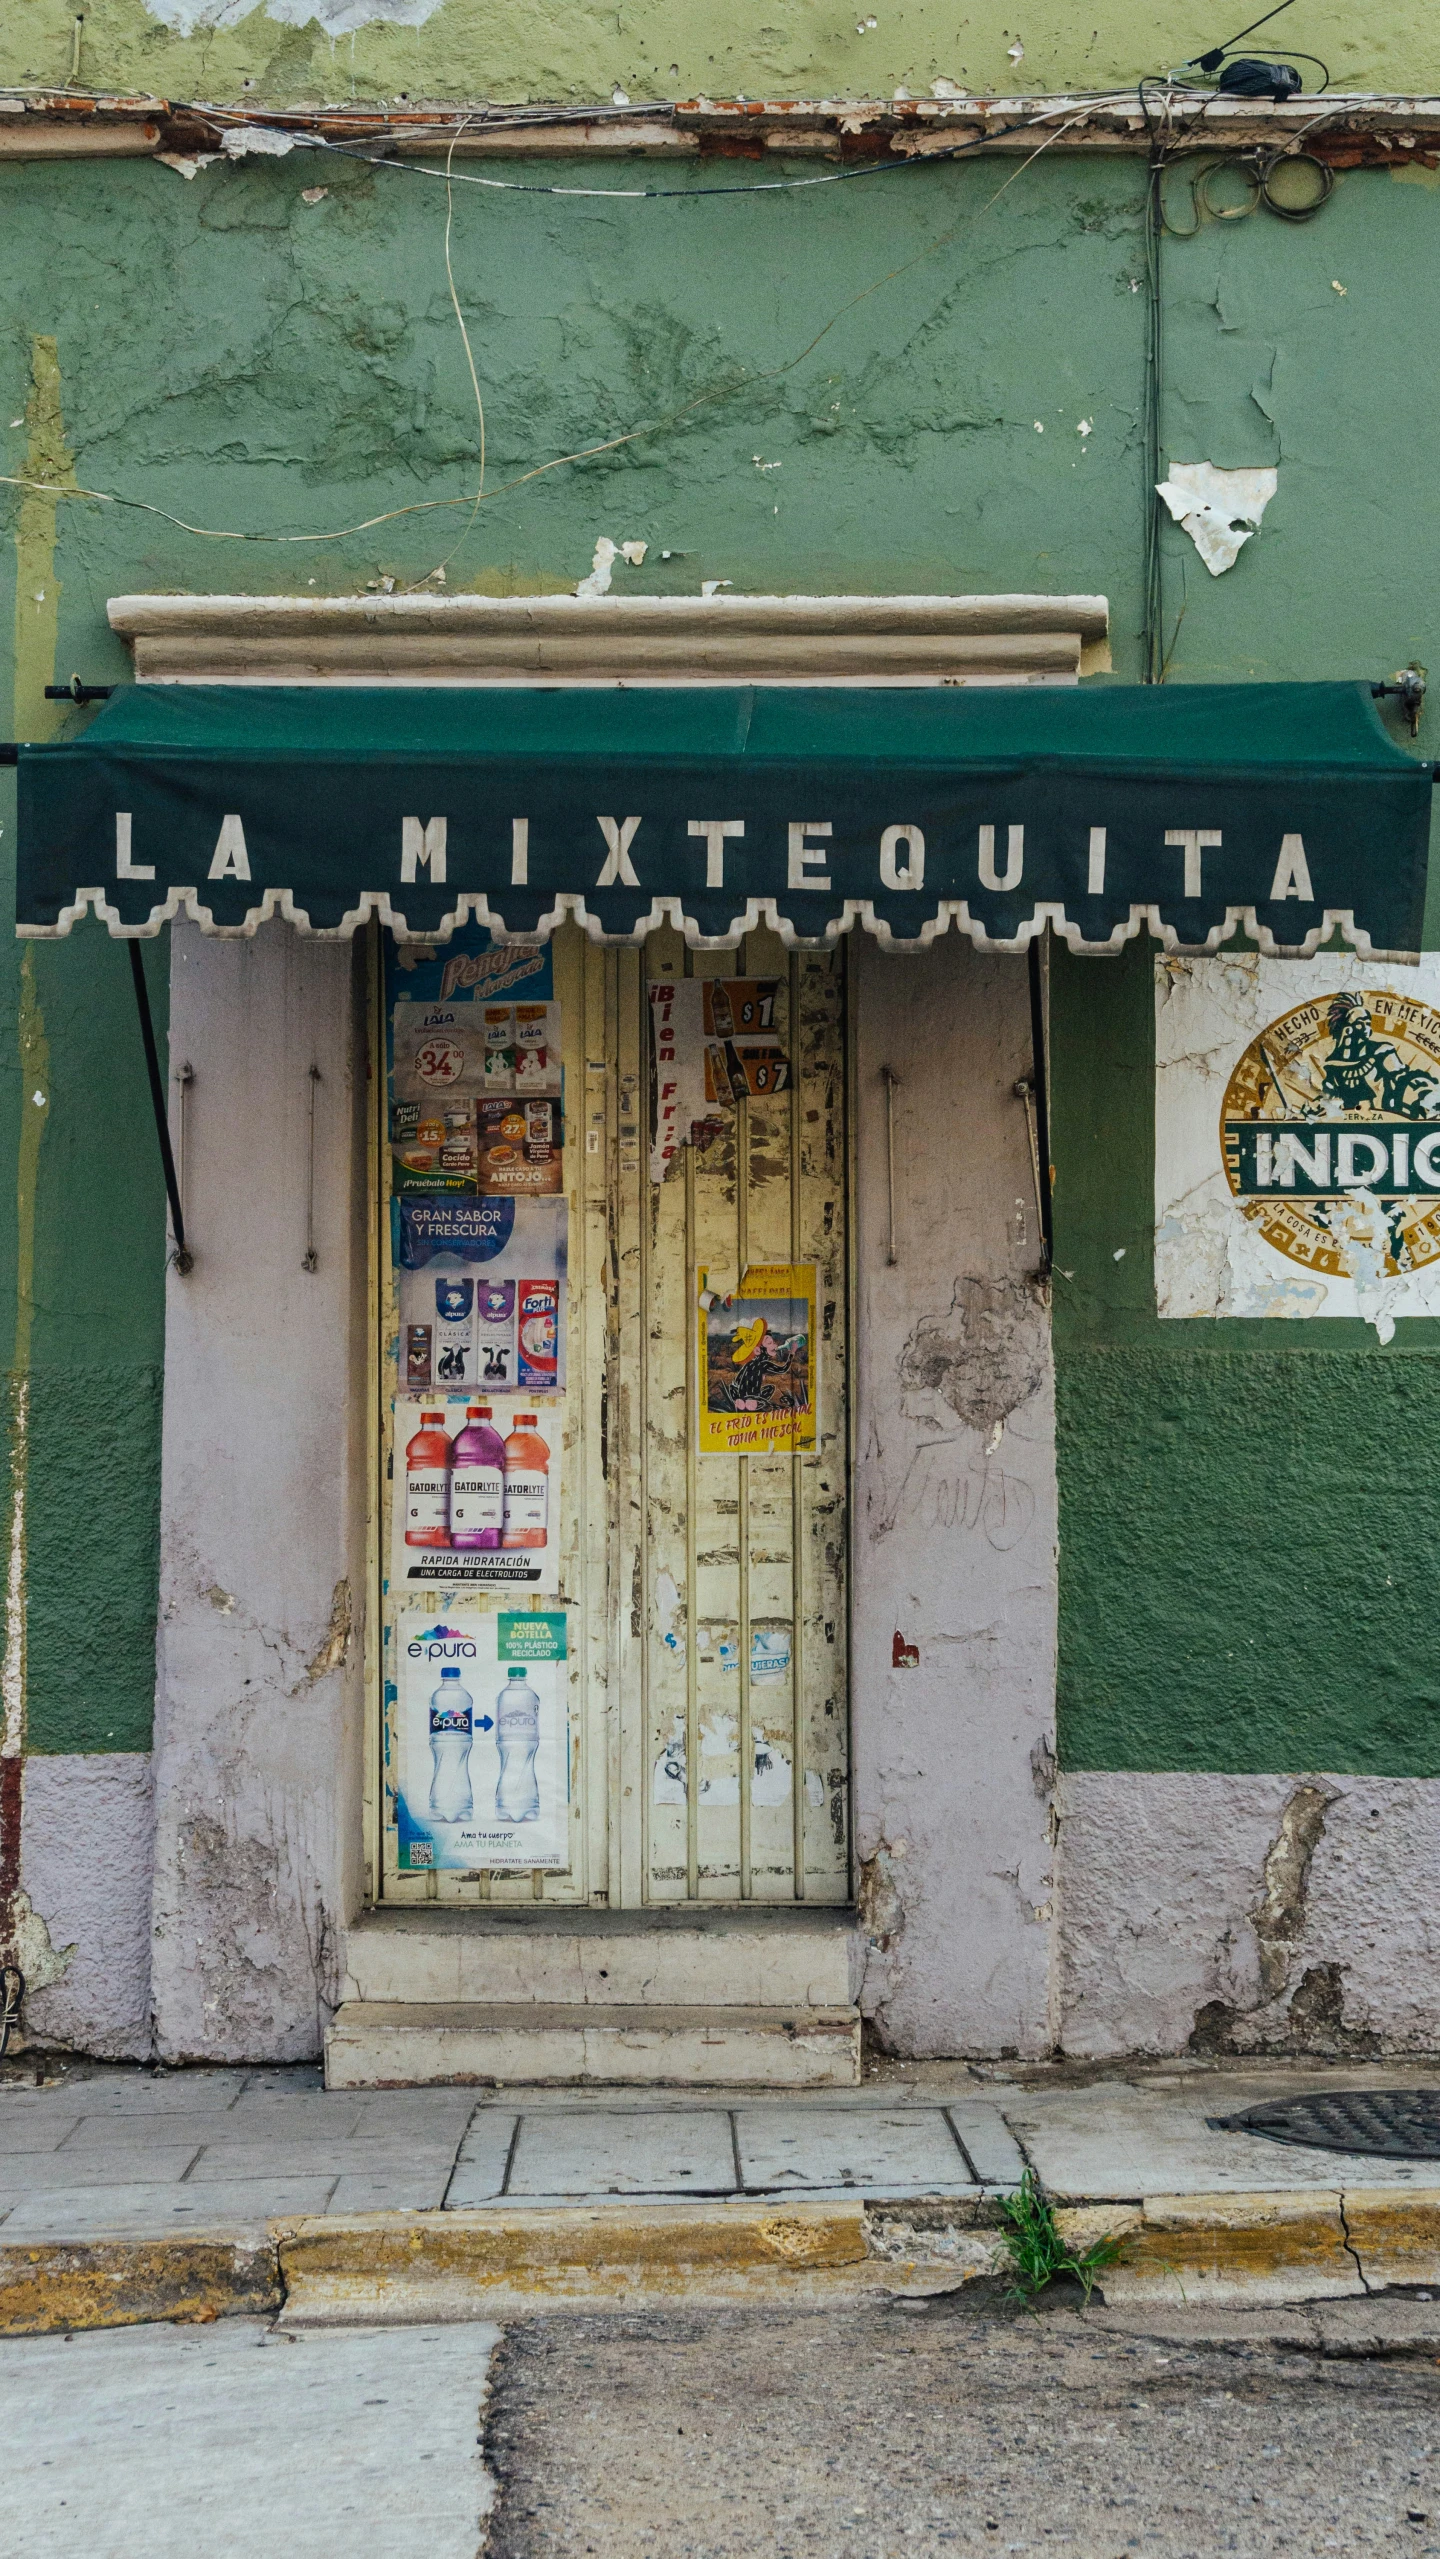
column 759, row 1360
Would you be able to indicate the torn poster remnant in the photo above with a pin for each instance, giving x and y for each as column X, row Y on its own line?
column 1220, row 510
column 1297, row 1143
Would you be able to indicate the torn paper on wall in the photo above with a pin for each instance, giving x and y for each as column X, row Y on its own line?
column 1297, row 1138
column 1220, row 510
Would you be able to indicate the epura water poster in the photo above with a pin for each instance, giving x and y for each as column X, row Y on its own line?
column 481, row 1774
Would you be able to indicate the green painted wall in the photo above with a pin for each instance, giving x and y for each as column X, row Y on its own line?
column 1248, row 1511
column 876, row 387
column 809, row 48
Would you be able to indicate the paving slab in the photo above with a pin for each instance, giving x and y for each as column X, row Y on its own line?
column 131, row 2163
column 394, row 2189
column 156, row 2443
column 988, row 2143
column 137, row 2092
column 1124, row 2140
column 226, row 2161
column 484, row 2158
column 20, row 2132
column 98, row 2137
column 583, row 2153
column 98, row 2212
column 819, row 2149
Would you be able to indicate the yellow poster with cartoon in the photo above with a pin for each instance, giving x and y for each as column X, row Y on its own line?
column 759, row 1363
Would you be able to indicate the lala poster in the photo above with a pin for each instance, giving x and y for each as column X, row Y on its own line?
column 482, row 1295
column 482, row 1774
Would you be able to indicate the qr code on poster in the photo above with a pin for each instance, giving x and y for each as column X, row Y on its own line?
column 421, row 1853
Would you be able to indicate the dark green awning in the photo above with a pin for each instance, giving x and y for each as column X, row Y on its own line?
column 1195, row 810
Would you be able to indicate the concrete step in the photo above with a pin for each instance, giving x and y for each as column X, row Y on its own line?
column 416, row 2044
column 776, row 1958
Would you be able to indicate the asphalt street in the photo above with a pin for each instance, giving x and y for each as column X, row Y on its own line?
column 898, row 2427
column 871, row 2428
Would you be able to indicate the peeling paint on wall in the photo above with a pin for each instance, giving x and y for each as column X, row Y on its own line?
column 1220, row 510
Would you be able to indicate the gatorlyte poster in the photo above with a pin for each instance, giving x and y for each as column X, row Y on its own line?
column 476, row 1493
column 758, row 1363
column 482, row 1776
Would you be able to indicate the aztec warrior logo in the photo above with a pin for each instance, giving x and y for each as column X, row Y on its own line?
column 1331, row 1131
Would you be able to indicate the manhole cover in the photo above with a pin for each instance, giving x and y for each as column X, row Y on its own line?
column 1396, row 2123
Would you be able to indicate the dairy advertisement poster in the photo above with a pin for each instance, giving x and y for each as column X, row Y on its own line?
column 482, row 1772
column 482, row 1294
column 476, row 1494
column 758, row 1363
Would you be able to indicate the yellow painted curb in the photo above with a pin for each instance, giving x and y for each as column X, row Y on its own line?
column 433, row 2265
column 1302, row 2245
column 1259, row 2248
column 1395, row 2233
column 113, row 2283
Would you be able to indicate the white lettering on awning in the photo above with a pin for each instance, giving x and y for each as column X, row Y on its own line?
column 1194, row 839
column 619, row 834
column 231, row 861
column 519, row 852
column 1095, row 882
column 990, row 878
column 125, row 869
column 909, row 874
column 1292, row 871
column 806, row 858
column 422, row 844
column 715, row 830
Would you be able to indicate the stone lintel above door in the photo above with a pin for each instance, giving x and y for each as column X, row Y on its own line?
column 608, row 639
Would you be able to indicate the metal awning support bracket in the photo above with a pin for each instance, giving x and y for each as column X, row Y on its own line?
column 182, row 1257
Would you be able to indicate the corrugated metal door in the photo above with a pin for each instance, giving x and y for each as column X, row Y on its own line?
column 707, row 1594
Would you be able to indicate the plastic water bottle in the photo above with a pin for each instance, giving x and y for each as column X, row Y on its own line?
column 517, row 1730
column 451, row 1735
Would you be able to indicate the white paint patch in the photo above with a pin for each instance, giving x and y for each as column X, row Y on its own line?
column 1220, row 510
column 1210, row 1259
column 256, row 141
column 337, row 17
column 602, row 567
column 153, row 2443
column 86, row 1857
column 1160, row 1875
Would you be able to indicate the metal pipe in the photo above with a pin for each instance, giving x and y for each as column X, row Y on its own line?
column 891, row 1080
column 311, row 1261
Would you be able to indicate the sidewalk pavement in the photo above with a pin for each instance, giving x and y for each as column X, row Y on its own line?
column 910, row 2167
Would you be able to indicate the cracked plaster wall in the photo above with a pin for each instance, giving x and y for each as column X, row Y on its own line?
column 1185, row 1927
column 258, row 1857
column 953, row 1517
column 86, row 1847
column 296, row 50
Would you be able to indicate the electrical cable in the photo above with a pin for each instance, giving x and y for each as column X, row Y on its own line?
column 587, row 453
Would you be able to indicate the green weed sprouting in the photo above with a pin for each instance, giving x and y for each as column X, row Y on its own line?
column 1036, row 2249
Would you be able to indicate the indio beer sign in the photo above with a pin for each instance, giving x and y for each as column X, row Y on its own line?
column 1332, row 1117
